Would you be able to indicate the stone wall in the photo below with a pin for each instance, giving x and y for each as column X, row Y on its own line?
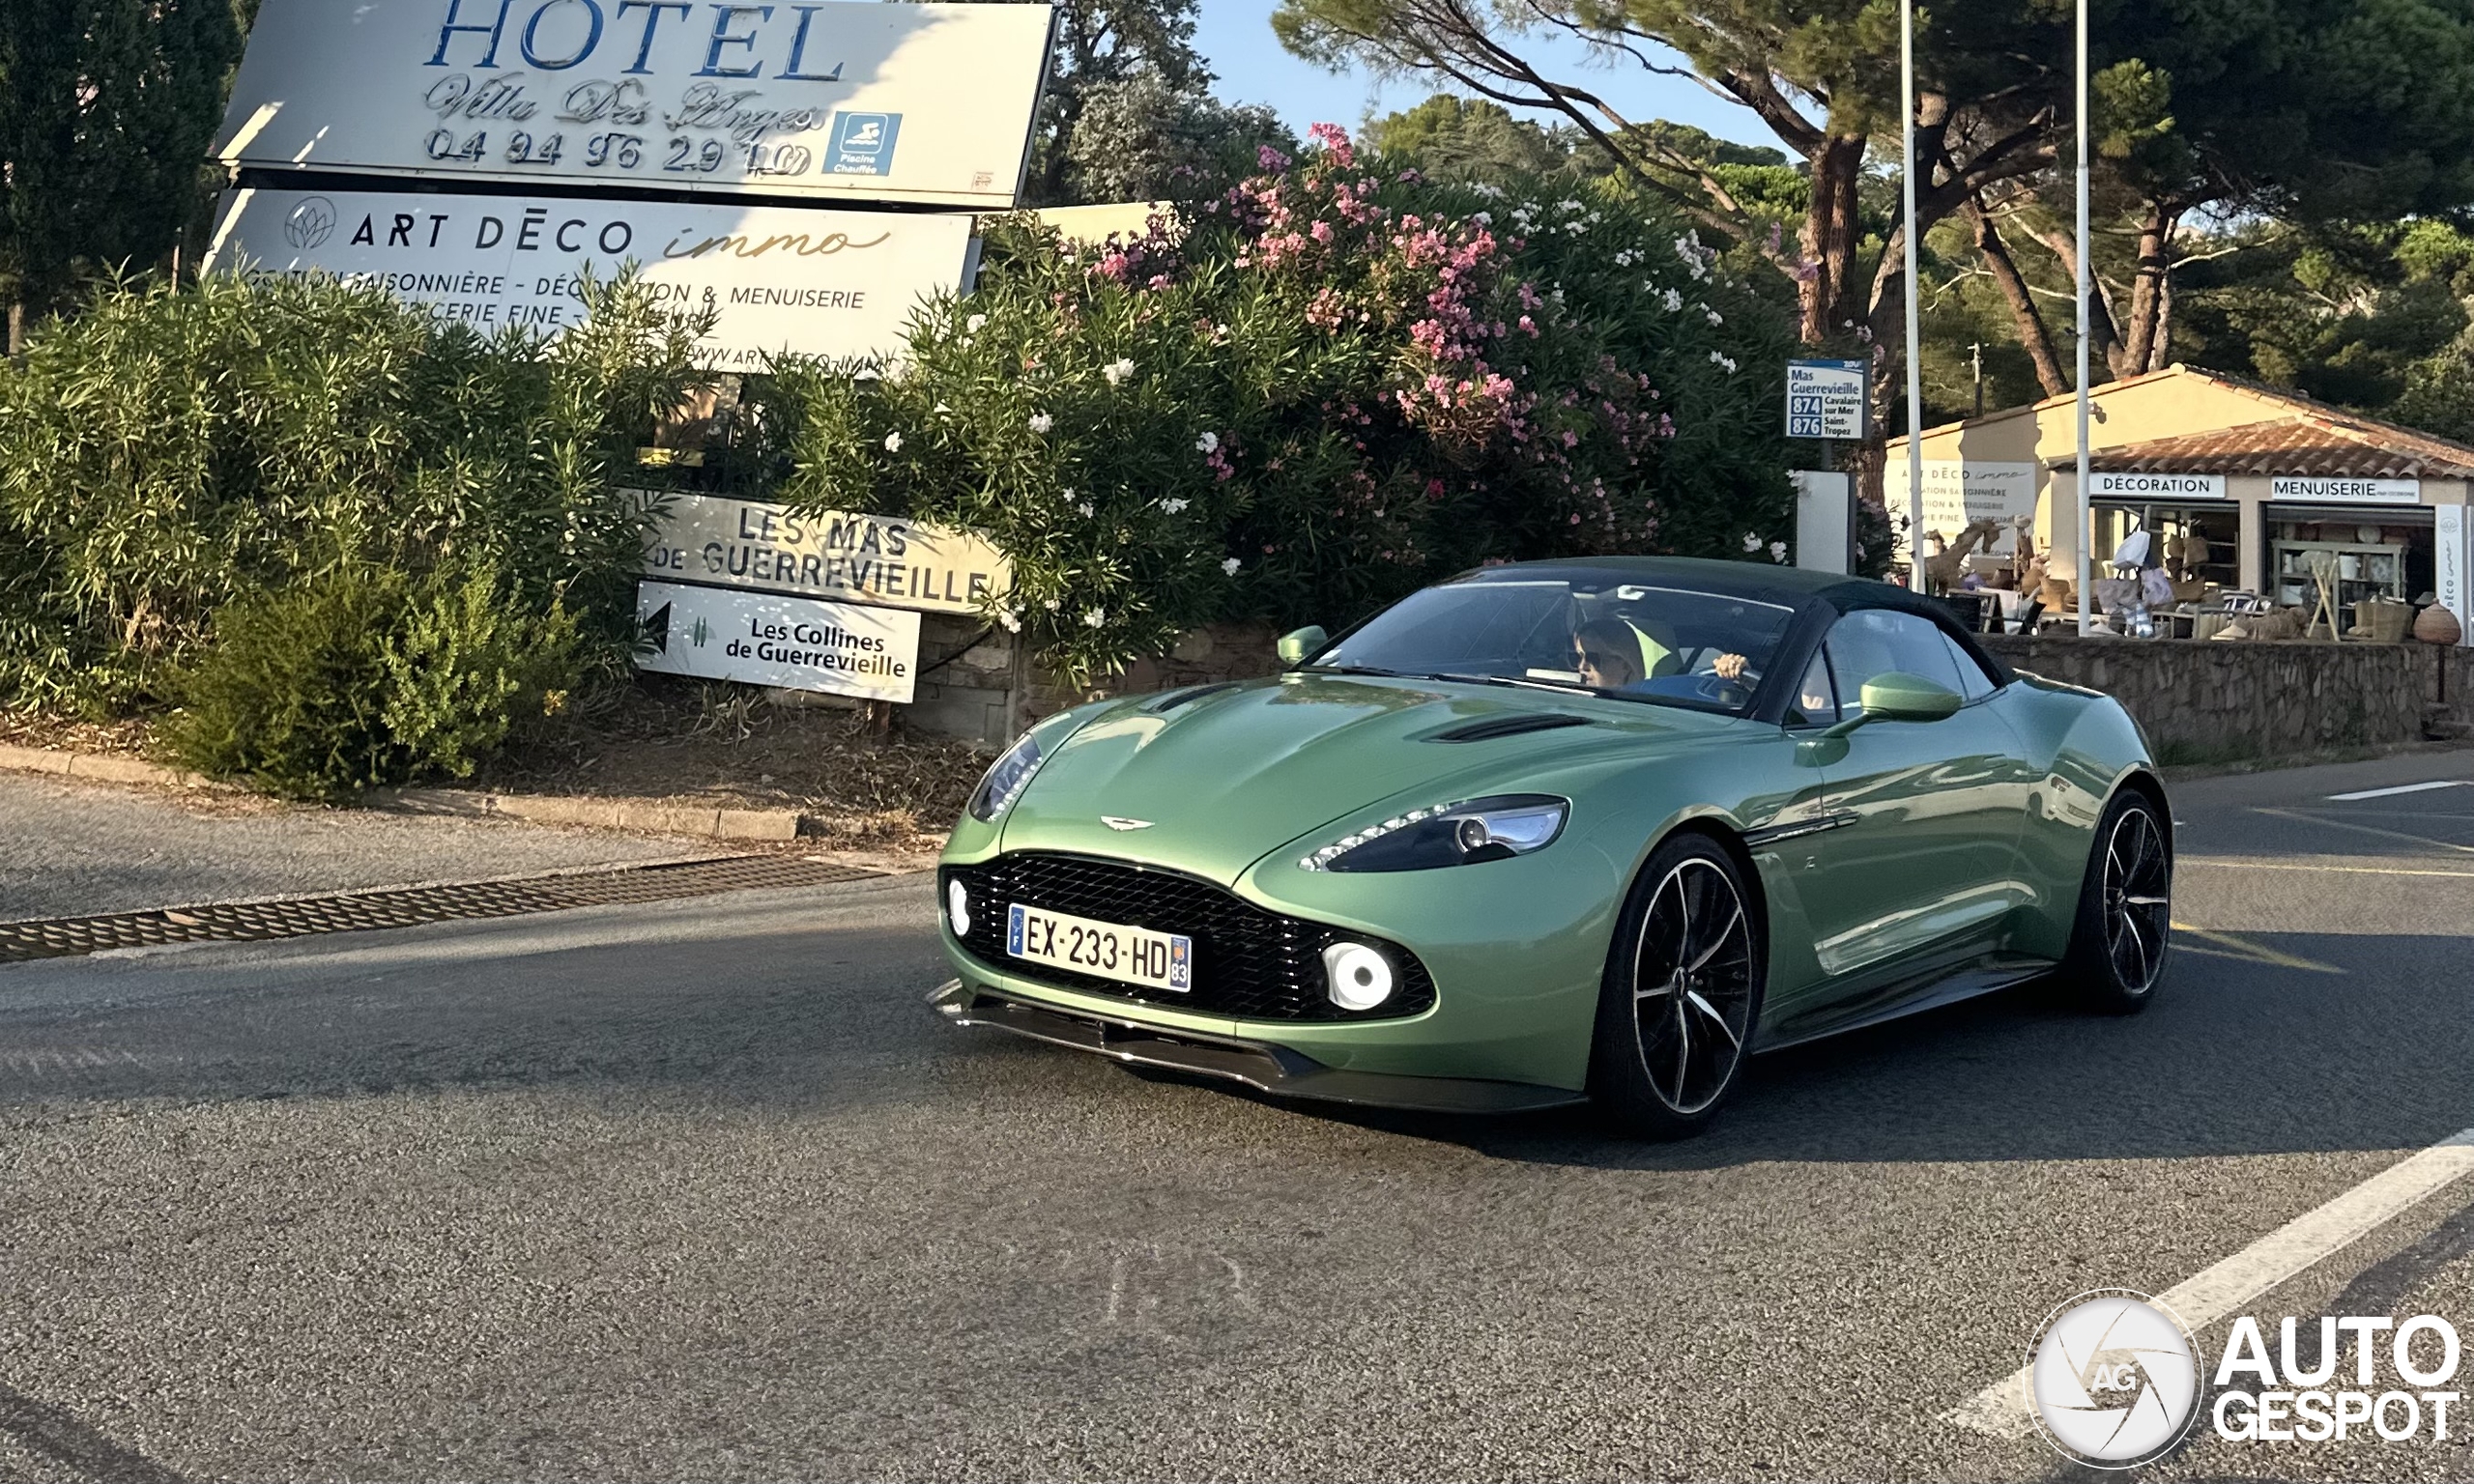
column 2199, row 700
column 2207, row 701
column 975, row 683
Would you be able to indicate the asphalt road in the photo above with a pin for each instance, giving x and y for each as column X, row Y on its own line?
column 700, row 1190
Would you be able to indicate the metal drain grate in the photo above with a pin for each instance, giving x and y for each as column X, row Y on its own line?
column 242, row 921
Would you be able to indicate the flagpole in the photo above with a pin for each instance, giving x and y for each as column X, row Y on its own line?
column 2087, row 289
column 1914, row 368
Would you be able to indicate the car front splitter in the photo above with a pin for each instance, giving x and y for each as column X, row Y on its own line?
column 1274, row 1070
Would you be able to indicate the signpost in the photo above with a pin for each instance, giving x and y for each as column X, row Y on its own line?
column 1827, row 400
column 780, row 279
column 871, row 559
column 919, row 104
column 767, row 638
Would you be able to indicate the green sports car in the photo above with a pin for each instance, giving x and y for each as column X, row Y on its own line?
column 1557, row 831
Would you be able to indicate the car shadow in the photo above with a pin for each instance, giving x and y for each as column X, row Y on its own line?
column 2236, row 1055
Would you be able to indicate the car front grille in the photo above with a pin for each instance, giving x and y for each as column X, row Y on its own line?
column 1250, row 964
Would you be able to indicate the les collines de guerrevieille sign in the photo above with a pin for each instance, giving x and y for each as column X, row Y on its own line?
column 863, row 100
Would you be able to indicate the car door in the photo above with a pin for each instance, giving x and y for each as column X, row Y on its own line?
column 1922, row 873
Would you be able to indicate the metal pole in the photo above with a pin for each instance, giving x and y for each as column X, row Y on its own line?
column 2086, row 289
column 1915, row 369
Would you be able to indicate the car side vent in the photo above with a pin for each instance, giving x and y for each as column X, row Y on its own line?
column 1494, row 727
column 1175, row 699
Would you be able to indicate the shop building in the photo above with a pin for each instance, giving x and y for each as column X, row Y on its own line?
column 2249, row 481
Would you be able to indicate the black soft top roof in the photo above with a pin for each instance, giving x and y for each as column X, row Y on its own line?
column 1765, row 581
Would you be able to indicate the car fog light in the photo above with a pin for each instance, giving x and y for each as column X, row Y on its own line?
column 958, row 909
column 1359, row 976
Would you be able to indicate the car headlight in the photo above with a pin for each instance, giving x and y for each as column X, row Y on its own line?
column 1463, row 834
column 1006, row 778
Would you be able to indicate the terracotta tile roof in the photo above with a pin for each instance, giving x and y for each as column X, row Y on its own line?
column 2322, row 442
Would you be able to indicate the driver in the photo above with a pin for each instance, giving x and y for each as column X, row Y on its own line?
column 1613, row 655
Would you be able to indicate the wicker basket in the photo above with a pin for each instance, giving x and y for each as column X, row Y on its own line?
column 2384, row 620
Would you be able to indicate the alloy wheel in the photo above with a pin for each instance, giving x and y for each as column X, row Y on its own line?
column 1692, row 986
column 2138, row 898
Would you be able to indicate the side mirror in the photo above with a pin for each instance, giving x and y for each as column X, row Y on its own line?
column 1900, row 697
column 1296, row 645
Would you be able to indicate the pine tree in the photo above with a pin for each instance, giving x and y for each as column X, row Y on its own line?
column 107, row 109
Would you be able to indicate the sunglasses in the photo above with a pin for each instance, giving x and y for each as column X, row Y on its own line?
column 1595, row 659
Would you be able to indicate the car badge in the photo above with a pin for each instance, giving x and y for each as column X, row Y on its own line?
column 1114, row 822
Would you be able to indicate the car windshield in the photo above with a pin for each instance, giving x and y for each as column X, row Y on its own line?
column 1587, row 632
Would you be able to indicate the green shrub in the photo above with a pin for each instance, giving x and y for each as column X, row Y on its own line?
column 358, row 678
column 166, row 452
column 292, row 695
column 466, row 671
column 353, row 542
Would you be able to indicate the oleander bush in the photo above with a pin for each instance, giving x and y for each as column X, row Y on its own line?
column 356, row 544
column 1331, row 385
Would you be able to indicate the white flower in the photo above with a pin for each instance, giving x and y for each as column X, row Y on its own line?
column 1230, row 566
column 1625, row 258
column 1483, row 218
column 1209, row 442
column 1172, row 507
column 1567, row 205
column 1012, row 619
column 893, row 442
column 1777, row 550
column 1083, row 510
column 1094, row 619
column 1050, row 604
column 1715, row 318
column 1041, row 422
column 1672, row 300
column 941, row 409
column 974, row 325
column 1751, row 542
column 1116, row 371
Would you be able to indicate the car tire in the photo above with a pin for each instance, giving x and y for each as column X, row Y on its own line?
column 1666, row 1053
column 2125, row 920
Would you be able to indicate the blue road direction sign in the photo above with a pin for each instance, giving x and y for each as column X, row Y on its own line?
column 1826, row 399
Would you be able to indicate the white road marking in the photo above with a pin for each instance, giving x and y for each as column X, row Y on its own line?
column 2389, row 794
column 2351, row 870
column 2002, row 1408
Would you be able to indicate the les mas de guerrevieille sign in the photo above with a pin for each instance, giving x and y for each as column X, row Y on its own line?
column 928, row 103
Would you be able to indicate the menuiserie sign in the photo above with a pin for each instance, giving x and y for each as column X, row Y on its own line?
column 777, row 278
column 908, row 102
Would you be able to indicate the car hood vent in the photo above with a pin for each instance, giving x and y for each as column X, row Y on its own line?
column 1493, row 727
column 1175, row 699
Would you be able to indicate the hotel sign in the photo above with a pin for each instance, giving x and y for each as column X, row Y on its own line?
column 2346, row 492
column 896, row 102
column 866, row 558
column 777, row 278
column 2158, row 487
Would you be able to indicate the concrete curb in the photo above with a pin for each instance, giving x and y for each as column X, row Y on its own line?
column 101, row 768
column 648, row 816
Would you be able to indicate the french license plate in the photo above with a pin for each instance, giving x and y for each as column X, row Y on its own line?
column 1133, row 955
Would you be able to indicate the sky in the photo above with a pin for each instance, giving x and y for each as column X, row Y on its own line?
column 1235, row 37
